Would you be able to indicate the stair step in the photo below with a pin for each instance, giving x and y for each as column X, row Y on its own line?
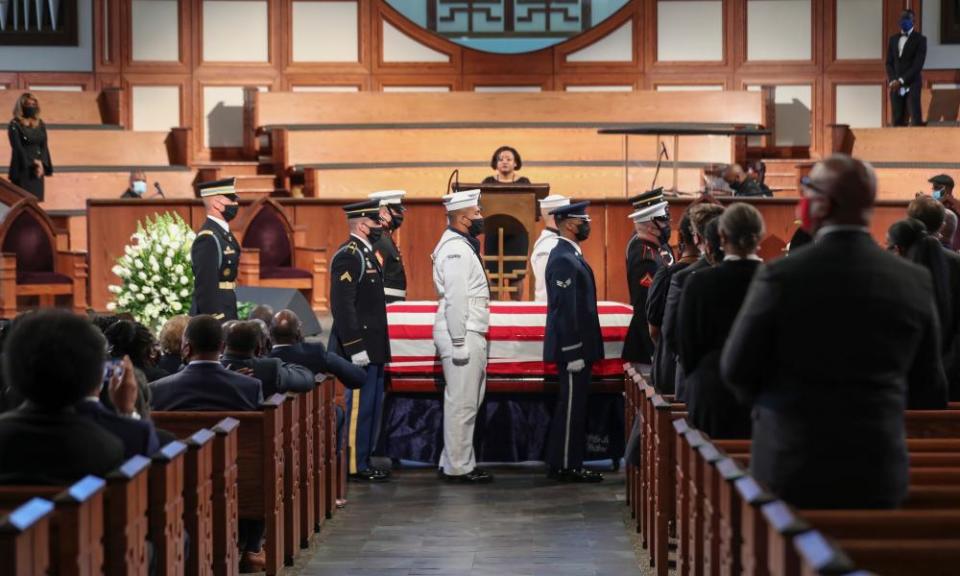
column 228, row 169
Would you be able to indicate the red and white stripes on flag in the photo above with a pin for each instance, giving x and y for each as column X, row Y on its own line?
column 515, row 340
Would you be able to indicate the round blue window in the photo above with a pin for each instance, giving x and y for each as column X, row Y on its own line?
column 507, row 26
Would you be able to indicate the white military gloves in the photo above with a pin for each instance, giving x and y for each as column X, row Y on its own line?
column 461, row 355
column 360, row 359
column 575, row 366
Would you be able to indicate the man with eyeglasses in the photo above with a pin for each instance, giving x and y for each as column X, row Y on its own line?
column 573, row 342
column 359, row 332
column 829, row 348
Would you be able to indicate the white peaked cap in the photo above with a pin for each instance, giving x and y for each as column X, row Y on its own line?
column 462, row 199
column 648, row 213
column 388, row 196
column 552, row 202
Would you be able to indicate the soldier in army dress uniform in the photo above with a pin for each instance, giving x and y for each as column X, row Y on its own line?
column 359, row 331
column 647, row 251
column 386, row 250
column 215, row 253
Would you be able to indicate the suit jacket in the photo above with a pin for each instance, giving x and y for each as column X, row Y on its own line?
column 573, row 327
column 275, row 375
column 831, row 345
column 909, row 65
column 357, row 303
column 54, row 448
column 710, row 302
column 314, row 356
column 669, row 328
column 170, row 362
column 206, row 387
column 643, row 261
column 663, row 371
column 138, row 436
column 951, row 345
column 215, row 256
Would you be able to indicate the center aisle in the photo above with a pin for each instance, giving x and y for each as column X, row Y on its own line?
column 522, row 524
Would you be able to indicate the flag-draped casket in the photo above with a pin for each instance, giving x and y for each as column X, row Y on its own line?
column 513, row 421
column 515, row 340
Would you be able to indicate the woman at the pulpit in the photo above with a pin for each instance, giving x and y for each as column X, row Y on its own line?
column 506, row 161
column 29, row 155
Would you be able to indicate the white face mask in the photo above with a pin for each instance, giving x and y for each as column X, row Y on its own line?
column 139, row 187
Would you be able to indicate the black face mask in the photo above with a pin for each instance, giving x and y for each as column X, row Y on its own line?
column 230, row 211
column 396, row 222
column 374, row 234
column 29, row 111
column 476, row 227
column 583, row 232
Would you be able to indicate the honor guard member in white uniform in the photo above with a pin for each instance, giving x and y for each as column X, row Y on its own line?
column 215, row 254
column 359, row 331
column 545, row 243
column 573, row 342
column 386, row 250
column 460, row 331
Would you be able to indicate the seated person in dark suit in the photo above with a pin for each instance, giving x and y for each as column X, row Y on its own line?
column 171, row 336
column 506, row 161
column 262, row 312
column 53, row 359
column 138, row 436
column 831, row 345
column 289, row 346
column 710, row 302
column 243, row 348
column 204, row 384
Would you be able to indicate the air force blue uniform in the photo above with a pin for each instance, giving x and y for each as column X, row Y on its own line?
column 572, row 333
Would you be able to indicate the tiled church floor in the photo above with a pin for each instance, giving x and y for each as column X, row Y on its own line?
column 522, row 524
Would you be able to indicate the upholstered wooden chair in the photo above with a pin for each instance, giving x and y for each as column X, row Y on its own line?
column 275, row 254
column 35, row 262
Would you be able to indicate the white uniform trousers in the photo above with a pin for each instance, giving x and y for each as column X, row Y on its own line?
column 462, row 394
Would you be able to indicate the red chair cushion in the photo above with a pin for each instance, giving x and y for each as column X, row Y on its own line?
column 28, row 239
column 42, row 278
column 268, row 234
column 283, row 272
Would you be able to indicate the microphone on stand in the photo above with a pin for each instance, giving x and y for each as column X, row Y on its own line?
column 660, row 157
column 159, row 190
column 456, row 185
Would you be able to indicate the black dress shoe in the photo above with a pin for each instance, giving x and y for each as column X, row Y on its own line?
column 385, row 472
column 576, row 475
column 368, row 475
column 475, row 476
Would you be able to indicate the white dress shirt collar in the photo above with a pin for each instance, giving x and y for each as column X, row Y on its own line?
column 575, row 245
column 222, row 223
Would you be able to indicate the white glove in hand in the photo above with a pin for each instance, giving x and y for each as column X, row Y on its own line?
column 461, row 355
column 360, row 359
column 575, row 366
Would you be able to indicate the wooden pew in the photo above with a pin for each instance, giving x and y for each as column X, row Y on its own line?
column 127, row 500
column 25, row 539
column 70, row 109
column 260, row 465
column 291, row 477
column 311, row 446
column 76, row 525
column 198, row 499
column 165, row 513
column 209, row 493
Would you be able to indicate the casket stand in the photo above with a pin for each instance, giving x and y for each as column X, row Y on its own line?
column 514, row 419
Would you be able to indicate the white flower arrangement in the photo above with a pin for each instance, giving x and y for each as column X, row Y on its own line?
column 155, row 297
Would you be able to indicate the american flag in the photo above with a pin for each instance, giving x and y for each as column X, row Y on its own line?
column 515, row 339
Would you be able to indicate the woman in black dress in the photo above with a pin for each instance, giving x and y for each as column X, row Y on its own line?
column 506, row 161
column 29, row 156
column 711, row 300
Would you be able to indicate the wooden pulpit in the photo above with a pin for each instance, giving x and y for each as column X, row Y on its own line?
column 510, row 213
